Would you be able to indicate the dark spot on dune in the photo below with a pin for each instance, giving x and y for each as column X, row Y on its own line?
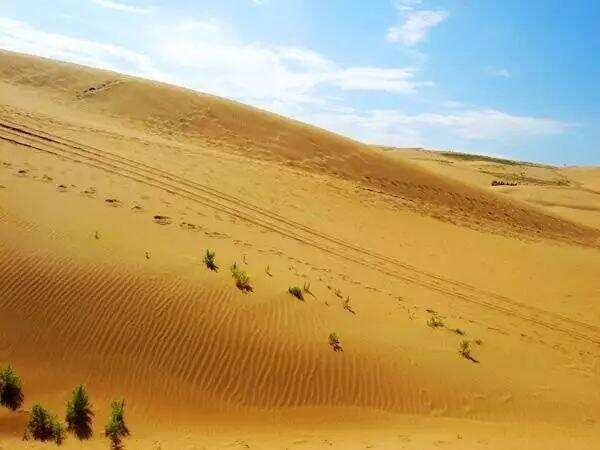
column 162, row 220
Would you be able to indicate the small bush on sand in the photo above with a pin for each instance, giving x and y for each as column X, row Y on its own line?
column 435, row 322
column 115, row 430
column 43, row 426
column 209, row 261
column 79, row 414
column 334, row 342
column 296, row 292
column 465, row 351
column 11, row 392
column 242, row 280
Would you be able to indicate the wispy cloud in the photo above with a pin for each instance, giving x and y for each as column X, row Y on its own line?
column 415, row 25
column 20, row 37
column 118, row 6
column 392, row 127
column 262, row 72
column 499, row 72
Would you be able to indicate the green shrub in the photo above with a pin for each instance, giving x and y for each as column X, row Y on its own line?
column 11, row 392
column 296, row 292
column 242, row 280
column 435, row 322
column 334, row 342
column 465, row 351
column 79, row 414
column 43, row 426
column 209, row 261
column 115, row 430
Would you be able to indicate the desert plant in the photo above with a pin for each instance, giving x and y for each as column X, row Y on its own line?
column 242, row 280
column 209, row 261
column 296, row 292
column 465, row 351
column 79, row 414
column 43, row 426
column 334, row 342
column 115, row 430
column 11, row 391
column 435, row 322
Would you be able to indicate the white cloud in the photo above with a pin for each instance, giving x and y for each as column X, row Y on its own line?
column 264, row 74
column 392, row 127
column 210, row 25
column 499, row 72
column 20, row 37
column 260, row 2
column 123, row 7
column 415, row 26
column 373, row 78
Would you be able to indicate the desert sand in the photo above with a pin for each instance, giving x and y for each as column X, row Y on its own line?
column 113, row 187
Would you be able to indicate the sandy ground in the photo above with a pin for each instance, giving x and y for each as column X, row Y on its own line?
column 111, row 190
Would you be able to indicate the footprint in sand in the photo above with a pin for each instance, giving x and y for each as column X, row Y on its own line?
column 22, row 173
column 47, row 178
column 62, row 188
column 190, row 226
column 162, row 220
column 112, row 202
column 137, row 208
column 216, row 234
column 90, row 192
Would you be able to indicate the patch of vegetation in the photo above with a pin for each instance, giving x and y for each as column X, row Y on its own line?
column 468, row 157
column 504, row 183
column 435, row 322
column 242, row 280
column 465, row 351
column 115, row 430
column 11, row 391
column 209, row 261
column 43, row 426
column 79, row 414
column 334, row 342
column 524, row 179
column 296, row 292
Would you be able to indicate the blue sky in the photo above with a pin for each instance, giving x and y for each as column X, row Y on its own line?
column 509, row 78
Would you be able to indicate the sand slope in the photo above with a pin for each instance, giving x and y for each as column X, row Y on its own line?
column 112, row 189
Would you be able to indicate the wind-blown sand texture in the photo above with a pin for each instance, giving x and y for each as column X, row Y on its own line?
column 111, row 190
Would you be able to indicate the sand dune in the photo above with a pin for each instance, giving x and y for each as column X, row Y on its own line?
column 112, row 189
